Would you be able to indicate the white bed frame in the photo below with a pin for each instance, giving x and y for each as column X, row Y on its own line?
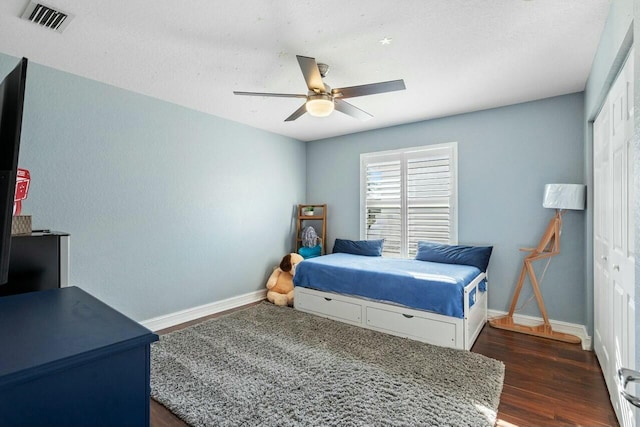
column 398, row 320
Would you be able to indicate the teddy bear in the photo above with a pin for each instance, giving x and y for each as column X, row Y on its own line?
column 280, row 283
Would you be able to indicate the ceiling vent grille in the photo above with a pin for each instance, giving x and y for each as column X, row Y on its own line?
column 47, row 16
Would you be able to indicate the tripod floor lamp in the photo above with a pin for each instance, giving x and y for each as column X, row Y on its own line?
column 559, row 197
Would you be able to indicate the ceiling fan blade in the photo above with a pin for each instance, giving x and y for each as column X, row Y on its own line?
column 351, row 110
column 370, row 89
column 275, row 95
column 300, row 111
column 311, row 73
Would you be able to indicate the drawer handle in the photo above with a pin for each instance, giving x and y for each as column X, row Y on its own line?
column 327, row 299
column 408, row 316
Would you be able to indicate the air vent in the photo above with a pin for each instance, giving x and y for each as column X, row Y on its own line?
column 47, row 16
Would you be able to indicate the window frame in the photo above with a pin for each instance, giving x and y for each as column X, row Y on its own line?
column 405, row 155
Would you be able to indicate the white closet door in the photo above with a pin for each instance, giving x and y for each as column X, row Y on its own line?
column 603, row 292
column 622, row 248
column 614, row 252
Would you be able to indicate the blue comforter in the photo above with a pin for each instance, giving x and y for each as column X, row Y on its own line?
column 417, row 284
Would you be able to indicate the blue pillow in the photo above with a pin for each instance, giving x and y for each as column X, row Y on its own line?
column 311, row 252
column 358, row 247
column 475, row 256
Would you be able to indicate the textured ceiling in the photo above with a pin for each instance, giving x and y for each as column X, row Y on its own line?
column 455, row 56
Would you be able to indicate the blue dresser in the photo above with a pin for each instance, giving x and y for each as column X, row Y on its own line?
column 68, row 359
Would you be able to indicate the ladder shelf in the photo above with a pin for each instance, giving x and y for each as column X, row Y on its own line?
column 319, row 215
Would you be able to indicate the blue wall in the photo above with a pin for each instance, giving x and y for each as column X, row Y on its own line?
column 167, row 208
column 505, row 157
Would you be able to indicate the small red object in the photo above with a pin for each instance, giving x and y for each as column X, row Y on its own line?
column 22, row 188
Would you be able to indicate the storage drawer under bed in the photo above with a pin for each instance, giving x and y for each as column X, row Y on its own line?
column 337, row 307
column 411, row 326
column 405, row 322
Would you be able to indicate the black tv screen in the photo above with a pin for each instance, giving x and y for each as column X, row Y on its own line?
column 11, row 103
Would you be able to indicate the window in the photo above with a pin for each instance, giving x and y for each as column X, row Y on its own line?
column 409, row 195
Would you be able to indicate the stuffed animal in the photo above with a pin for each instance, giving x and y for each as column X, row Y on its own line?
column 280, row 283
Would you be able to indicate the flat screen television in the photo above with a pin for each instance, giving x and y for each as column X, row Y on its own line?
column 11, row 103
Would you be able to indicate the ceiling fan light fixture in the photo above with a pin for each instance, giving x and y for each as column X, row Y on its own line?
column 320, row 105
column 321, row 100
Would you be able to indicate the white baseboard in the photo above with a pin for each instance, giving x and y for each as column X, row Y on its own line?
column 568, row 328
column 182, row 316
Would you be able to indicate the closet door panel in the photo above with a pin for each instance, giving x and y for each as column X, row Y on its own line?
column 602, row 240
column 614, row 250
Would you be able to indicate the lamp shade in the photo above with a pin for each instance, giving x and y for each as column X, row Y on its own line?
column 564, row 196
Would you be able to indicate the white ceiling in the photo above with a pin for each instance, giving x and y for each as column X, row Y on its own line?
column 455, row 56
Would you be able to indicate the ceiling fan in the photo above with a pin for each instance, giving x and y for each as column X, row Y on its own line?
column 321, row 100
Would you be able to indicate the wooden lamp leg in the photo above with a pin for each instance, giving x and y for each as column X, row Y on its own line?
column 536, row 291
column 516, row 294
column 549, row 246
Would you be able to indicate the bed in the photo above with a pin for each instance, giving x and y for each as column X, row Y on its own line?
column 439, row 303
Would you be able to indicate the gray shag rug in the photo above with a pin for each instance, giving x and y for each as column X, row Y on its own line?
column 275, row 366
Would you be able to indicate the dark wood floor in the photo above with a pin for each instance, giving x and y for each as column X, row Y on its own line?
column 547, row 383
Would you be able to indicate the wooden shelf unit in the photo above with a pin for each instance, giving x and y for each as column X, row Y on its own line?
column 321, row 216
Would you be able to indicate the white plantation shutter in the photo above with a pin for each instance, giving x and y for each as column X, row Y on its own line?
column 409, row 195
column 429, row 191
column 384, row 203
